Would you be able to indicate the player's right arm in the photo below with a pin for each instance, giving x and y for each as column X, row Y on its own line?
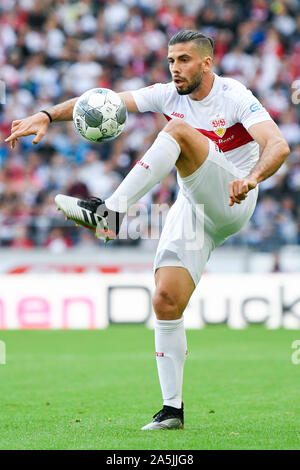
column 38, row 123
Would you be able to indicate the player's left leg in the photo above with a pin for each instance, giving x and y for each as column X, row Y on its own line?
column 174, row 287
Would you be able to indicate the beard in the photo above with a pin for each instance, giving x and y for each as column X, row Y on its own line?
column 191, row 87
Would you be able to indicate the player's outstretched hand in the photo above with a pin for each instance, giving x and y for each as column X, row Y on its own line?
column 238, row 189
column 36, row 124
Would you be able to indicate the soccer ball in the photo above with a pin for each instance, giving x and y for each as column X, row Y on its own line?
column 99, row 115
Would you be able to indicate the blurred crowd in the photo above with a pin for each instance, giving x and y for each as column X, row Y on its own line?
column 51, row 51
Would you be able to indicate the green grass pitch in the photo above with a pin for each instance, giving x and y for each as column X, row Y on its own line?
column 95, row 389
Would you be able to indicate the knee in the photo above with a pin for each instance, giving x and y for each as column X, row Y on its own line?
column 178, row 129
column 165, row 305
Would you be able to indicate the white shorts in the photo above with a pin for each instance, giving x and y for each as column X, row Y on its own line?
column 201, row 218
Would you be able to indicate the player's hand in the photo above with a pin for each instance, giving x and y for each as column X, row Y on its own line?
column 36, row 124
column 238, row 189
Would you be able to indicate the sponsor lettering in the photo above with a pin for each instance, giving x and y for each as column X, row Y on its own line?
column 272, row 300
column 223, row 141
column 179, row 115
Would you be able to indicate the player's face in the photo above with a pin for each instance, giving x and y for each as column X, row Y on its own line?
column 186, row 67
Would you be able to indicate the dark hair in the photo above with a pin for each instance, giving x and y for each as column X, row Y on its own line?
column 187, row 35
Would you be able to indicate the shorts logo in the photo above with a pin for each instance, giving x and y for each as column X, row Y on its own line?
column 159, row 354
column 179, row 115
column 219, row 126
column 255, row 107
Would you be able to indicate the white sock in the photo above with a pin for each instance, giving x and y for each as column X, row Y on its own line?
column 171, row 350
column 156, row 164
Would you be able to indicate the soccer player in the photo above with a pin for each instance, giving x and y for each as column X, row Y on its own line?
column 214, row 130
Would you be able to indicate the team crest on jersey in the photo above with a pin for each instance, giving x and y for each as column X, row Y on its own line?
column 219, row 125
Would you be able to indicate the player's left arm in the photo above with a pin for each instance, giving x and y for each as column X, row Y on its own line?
column 275, row 150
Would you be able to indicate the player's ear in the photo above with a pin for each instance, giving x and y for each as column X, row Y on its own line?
column 207, row 63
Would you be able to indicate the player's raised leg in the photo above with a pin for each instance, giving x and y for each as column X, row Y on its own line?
column 177, row 145
column 174, row 287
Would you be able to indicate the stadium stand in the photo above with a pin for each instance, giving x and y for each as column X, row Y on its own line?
column 51, row 51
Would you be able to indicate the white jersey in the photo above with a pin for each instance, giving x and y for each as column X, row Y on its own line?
column 224, row 115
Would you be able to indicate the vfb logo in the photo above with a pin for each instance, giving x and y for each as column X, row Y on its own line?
column 219, row 125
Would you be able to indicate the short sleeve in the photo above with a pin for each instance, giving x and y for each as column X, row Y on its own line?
column 250, row 111
column 150, row 98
